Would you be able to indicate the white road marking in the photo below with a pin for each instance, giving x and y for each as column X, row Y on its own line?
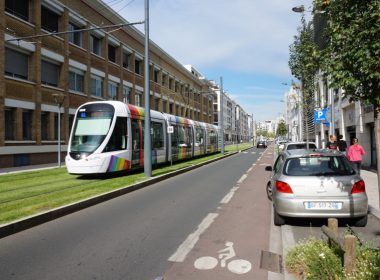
column 192, row 239
column 242, row 178
column 229, row 196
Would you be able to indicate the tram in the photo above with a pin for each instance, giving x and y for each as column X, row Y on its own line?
column 108, row 136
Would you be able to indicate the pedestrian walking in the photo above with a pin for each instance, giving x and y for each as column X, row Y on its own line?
column 342, row 145
column 355, row 154
column 332, row 144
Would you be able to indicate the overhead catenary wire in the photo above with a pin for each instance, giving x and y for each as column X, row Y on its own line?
column 73, row 31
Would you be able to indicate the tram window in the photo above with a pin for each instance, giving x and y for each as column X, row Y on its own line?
column 118, row 140
column 175, row 136
column 181, row 136
column 199, row 136
column 189, row 136
column 158, row 135
column 212, row 137
column 135, row 134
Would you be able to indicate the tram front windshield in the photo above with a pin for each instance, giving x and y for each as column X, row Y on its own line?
column 91, row 127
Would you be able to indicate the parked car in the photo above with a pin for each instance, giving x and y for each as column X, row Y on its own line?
column 281, row 143
column 261, row 144
column 316, row 184
column 298, row 145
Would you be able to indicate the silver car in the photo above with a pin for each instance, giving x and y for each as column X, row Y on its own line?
column 316, row 184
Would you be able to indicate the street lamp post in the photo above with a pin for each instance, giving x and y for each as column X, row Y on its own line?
column 59, row 98
column 147, row 132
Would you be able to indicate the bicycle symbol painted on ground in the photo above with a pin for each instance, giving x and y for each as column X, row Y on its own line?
column 237, row 266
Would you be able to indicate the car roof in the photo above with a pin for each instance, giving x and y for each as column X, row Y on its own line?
column 315, row 152
column 297, row 143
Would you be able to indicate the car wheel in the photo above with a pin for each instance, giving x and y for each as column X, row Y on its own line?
column 362, row 221
column 269, row 191
column 278, row 220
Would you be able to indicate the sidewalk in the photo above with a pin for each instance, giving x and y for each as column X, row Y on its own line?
column 10, row 170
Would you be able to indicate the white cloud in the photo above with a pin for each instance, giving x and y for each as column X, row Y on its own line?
column 233, row 39
column 244, row 35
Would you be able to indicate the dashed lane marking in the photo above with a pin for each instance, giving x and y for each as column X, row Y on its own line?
column 192, row 239
column 229, row 196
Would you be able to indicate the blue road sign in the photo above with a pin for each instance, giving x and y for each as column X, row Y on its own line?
column 320, row 116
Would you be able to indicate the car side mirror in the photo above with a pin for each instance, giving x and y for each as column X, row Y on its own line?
column 268, row 168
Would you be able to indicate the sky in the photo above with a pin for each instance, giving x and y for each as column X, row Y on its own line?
column 246, row 42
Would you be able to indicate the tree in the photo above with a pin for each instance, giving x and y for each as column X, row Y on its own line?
column 304, row 63
column 352, row 57
column 282, row 129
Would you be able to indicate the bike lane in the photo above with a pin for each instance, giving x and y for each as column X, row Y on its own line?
column 230, row 247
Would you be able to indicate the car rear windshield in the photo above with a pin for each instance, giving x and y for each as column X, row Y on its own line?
column 318, row 166
column 300, row 146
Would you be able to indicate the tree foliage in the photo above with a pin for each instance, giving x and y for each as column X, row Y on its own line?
column 352, row 57
column 304, row 57
column 282, row 130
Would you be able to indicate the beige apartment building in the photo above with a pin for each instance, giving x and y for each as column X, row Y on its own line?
column 61, row 54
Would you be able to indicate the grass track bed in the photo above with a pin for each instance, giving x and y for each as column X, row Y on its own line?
column 29, row 193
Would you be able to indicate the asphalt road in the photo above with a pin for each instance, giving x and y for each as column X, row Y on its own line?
column 130, row 237
column 170, row 230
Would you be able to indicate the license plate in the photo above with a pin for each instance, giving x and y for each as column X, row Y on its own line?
column 318, row 205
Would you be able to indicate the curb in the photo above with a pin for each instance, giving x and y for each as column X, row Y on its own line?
column 35, row 220
column 375, row 212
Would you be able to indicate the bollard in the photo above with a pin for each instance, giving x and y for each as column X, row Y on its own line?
column 332, row 224
column 349, row 253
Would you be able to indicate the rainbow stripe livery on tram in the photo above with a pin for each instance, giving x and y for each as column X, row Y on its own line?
column 108, row 136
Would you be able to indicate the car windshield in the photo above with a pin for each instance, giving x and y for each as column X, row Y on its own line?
column 318, row 165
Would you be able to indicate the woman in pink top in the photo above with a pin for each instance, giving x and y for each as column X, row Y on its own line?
column 355, row 155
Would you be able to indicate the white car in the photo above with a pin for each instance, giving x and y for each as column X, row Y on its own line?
column 298, row 146
column 281, row 144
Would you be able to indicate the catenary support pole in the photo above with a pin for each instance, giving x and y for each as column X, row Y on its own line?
column 147, row 132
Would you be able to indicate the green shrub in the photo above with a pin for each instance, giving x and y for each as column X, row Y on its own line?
column 367, row 265
column 314, row 259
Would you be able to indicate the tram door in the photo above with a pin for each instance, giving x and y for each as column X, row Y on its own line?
column 137, row 128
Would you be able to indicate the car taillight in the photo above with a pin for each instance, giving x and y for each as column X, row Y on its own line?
column 283, row 187
column 358, row 187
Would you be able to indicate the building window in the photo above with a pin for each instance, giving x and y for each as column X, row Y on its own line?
column 75, row 36
column 16, row 64
column 95, row 45
column 27, row 120
column 49, row 73
column 96, row 86
column 156, row 72
column 19, row 8
column 126, row 94
column 138, row 99
column 49, row 20
column 156, row 104
column 56, row 126
column 44, row 125
column 112, row 90
column 138, row 66
column 164, row 79
column 126, row 59
column 9, row 123
column 76, row 80
column 111, row 53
